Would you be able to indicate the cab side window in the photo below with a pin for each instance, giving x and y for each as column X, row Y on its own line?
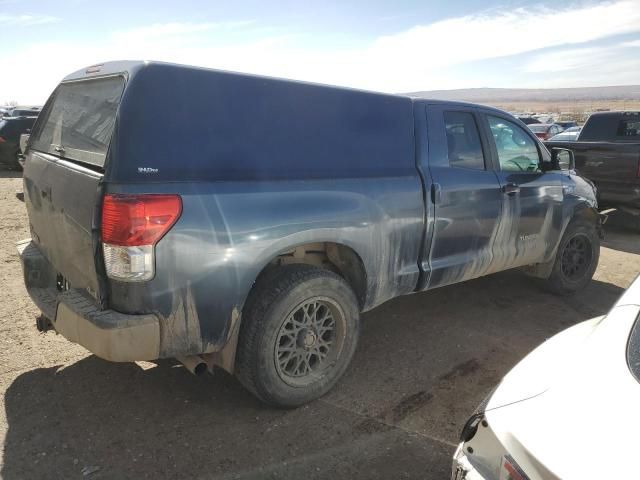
column 463, row 141
column 517, row 152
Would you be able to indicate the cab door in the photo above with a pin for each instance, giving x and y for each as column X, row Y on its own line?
column 465, row 197
column 531, row 215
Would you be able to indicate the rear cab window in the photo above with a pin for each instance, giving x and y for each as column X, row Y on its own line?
column 599, row 128
column 78, row 121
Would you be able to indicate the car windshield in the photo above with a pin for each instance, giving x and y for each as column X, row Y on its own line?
column 538, row 127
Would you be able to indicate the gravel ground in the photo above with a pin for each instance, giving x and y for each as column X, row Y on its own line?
column 424, row 362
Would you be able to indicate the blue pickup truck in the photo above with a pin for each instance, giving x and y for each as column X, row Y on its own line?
column 245, row 222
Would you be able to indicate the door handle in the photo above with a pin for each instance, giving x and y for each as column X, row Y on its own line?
column 435, row 193
column 510, row 189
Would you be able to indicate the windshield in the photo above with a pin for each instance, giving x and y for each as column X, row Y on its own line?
column 538, row 128
column 79, row 120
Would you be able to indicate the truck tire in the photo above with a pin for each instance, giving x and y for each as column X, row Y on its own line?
column 299, row 331
column 576, row 259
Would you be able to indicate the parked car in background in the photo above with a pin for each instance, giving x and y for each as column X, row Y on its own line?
column 10, row 130
column 566, row 124
column 528, row 120
column 23, row 142
column 21, row 111
column 568, row 135
column 568, row 410
column 224, row 238
column 544, row 118
column 607, row 152
column 544, row 131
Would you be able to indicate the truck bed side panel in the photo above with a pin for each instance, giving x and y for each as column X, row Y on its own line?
column 263, row 165
column 228, row 233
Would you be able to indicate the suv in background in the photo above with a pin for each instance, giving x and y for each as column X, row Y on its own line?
column 10, row 130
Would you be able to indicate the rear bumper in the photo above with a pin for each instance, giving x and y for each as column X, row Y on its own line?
column 76, row 316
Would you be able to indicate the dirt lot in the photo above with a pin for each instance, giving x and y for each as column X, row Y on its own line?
column 425, row 361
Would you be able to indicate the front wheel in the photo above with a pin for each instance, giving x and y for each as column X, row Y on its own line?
column 299, row 331
column 576, row 259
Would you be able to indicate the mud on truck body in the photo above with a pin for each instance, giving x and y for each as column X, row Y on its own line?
column 245, row 222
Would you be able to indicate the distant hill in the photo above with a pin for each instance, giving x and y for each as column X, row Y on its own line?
column 501, row 95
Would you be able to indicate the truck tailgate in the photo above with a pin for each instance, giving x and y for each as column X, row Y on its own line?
column 61, row 198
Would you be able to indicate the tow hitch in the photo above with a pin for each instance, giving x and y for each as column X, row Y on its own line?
column 43, row 324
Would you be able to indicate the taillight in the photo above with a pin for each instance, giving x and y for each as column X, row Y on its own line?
column 511, row 470
column 131, row 226
column 2, row 140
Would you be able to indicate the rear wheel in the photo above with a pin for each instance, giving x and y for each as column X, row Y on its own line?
column 576, row 259
column 299, row 331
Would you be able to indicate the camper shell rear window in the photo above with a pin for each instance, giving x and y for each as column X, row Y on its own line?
column 78, row 121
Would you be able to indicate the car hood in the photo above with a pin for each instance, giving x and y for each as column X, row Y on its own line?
column 583, row 423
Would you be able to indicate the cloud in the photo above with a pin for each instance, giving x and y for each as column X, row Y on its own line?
column 631, row 44
column 172, row 29
column 589, row 66
column 500, row 34
column 572, row 59
column 452, row 53
column 26, row 20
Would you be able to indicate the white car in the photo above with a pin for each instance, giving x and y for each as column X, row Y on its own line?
column 568, row 410
column 571, row 134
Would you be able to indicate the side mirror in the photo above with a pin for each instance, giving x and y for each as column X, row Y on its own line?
column 563, row 159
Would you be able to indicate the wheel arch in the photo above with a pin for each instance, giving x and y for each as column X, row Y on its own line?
column 582, row 212
column 339, row 257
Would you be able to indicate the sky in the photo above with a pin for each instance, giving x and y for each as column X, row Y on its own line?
column 390, row 46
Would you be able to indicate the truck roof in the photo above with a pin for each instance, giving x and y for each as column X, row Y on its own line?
column 615, row 113
column 131, row 67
